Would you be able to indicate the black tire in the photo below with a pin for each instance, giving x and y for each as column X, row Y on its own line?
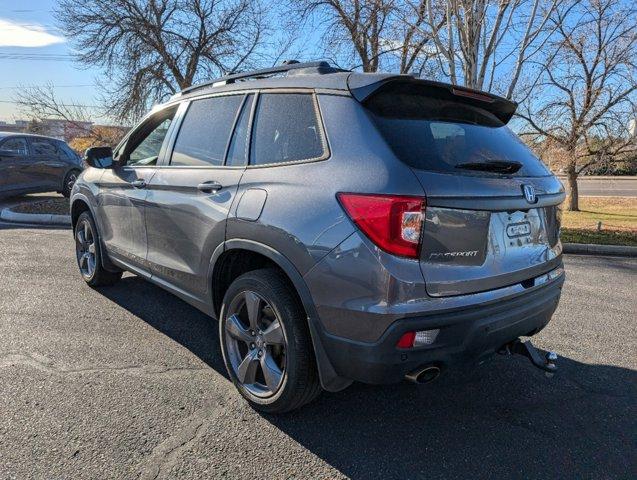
column 69, row 180
column 299, row 383
column 97, row 276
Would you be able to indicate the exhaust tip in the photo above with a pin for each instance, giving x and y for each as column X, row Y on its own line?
column 424, row 374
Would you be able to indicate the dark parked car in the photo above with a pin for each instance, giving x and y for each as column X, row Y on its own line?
column 341, row 226
column 33, row 163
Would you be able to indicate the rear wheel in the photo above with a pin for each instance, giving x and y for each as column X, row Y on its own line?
column 87, row 251
column 266, row 344
column 69, row 181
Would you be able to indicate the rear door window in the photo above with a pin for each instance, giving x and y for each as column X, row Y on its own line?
column 205, row 131
column 286, row 129
column 442, row 135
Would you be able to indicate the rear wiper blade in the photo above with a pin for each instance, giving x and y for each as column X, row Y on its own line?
column 491, row 166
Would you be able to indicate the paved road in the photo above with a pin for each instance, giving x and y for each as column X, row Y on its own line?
column 127, row 382
column 606, row 186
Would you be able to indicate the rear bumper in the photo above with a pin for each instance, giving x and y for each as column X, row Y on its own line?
column 466, row 336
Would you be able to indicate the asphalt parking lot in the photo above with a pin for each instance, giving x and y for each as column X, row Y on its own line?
column 127, row 382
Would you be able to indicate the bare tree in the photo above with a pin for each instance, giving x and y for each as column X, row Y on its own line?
column 370, row 32
column 40, row 103
column 586, row 92
column 484, row 44
column 152, row 48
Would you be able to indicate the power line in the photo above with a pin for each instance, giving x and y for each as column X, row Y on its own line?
column 17, row 87
column 59, row 104
column 36, row 56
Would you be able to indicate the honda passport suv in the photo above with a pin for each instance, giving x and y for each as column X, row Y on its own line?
column 340, row 226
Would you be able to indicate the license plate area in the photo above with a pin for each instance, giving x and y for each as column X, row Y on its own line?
column 519, row 229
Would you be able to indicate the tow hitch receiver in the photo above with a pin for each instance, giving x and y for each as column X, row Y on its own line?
column 527, row 350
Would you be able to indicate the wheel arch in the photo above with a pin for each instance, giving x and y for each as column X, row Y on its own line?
column 330, row 380
column 79, row 205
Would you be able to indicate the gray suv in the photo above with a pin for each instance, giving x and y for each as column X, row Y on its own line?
column 341, row 226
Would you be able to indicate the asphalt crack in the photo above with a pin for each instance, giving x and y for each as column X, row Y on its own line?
column 45, row 364
column 165, row 455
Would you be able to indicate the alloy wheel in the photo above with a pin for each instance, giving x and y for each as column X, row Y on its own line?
column 70, row 181
column 256, row 344
column 85, row 249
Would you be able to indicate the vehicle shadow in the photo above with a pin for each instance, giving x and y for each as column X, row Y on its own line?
column 503, row 419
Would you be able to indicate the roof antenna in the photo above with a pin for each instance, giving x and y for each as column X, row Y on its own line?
column 289, row 62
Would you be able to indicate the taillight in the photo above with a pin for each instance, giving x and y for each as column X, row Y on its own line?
column 392, row 222
column 420, row 338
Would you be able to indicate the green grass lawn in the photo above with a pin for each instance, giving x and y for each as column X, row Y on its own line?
column 617, row 214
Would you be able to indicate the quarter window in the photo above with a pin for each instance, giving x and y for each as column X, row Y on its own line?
column 67, row 152
column 205, row 131
column 238, row 151
column 15, row 145
column 286, row 129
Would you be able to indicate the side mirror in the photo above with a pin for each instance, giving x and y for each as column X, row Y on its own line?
column 99, row 157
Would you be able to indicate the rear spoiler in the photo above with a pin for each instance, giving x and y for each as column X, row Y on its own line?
column 362, row 89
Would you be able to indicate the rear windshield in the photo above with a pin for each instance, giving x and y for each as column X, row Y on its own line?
column 440, row 135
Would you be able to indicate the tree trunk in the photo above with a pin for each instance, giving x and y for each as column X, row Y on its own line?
column 573, row 193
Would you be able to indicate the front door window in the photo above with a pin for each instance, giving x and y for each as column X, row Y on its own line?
column 144, row 146
column 17, row 146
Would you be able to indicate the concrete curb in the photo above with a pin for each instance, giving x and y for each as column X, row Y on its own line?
column 591, row 249
column 35, row 218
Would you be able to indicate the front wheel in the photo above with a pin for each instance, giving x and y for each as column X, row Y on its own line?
column 266, row 343
column 88, row 254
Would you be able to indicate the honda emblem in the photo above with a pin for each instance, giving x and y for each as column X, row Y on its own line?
column 529, row 193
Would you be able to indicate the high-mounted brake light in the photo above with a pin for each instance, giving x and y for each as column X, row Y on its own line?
column 392, row 222
column 469, row 94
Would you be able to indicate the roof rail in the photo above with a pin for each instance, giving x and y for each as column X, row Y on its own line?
column 320, row 67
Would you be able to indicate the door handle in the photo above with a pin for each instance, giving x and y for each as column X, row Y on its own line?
column 209, row 187
column 139, row 184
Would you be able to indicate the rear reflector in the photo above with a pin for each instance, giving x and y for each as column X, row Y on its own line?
column 392, row 222
column 418, row 339
column 407, row 340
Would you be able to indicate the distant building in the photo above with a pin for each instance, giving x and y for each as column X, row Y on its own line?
column 19, row 126
column 63, row 129
column 51, row 127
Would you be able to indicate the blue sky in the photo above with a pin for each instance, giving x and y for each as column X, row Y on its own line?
column 33, row 52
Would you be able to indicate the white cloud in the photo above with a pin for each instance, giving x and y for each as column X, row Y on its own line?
column 14, row 34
